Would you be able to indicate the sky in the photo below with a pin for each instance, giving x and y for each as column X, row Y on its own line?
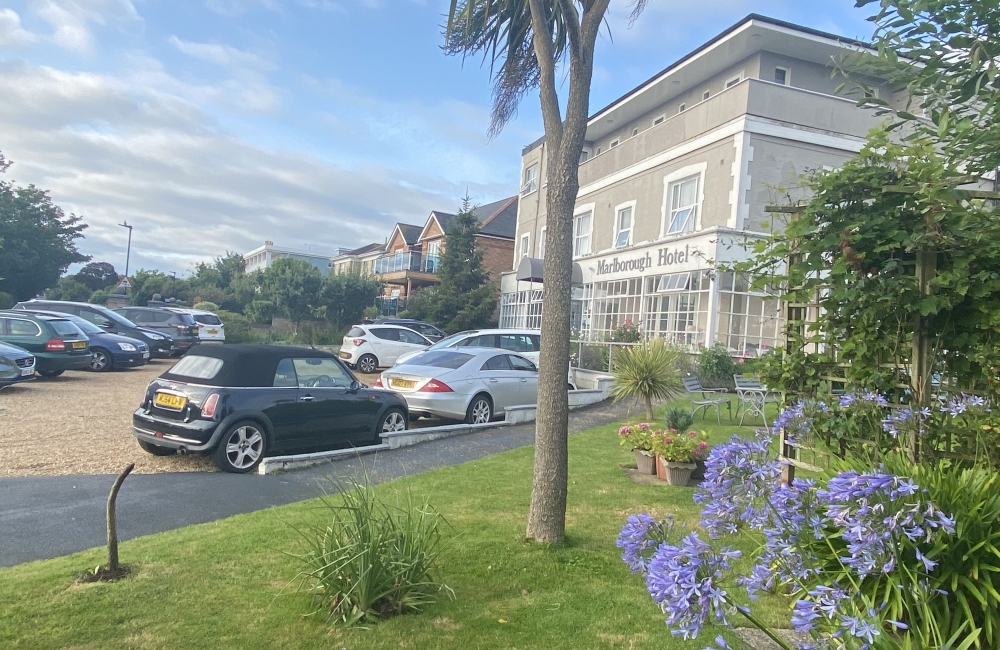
column 213, row 125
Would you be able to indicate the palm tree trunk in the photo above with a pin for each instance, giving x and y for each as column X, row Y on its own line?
column 649, row 408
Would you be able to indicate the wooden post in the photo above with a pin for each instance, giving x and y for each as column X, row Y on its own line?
column 113, row 520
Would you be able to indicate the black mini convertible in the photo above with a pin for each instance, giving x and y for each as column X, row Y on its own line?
column 239, row 403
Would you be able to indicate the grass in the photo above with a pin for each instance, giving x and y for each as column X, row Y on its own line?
column 231, row 583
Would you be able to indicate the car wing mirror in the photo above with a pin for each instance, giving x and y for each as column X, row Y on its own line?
column 356, row 386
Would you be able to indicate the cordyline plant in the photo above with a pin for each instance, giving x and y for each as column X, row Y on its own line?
column 821, row 543
column 649, row 371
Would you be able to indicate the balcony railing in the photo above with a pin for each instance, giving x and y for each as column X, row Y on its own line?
column 430, row 263
column 398, row 262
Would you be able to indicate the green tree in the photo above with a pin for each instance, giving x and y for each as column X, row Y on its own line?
column 69, row 288
column 946, row 54
column 293, row 286
column 147, row 283
column 37, row 239
column 98, row 275
column 346, row 295
column 465, row 299
column 539, row 44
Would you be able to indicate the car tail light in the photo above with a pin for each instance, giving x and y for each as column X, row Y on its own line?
column 208, row 410
column 435, row 386
column 55, row 345
column 378, row 383
column 357, row 342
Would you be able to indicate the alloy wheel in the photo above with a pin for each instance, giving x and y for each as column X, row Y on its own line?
column 394, row 422
column 99, row 361
column 244, row 447
column 481, row 412
column 367, row 364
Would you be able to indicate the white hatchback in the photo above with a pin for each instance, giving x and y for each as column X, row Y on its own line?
column 211, row 329
column 369, row 347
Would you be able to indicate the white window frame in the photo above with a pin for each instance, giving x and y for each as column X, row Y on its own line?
column 706, row 94
column 614, row 143
column 525, row 245
column 635, row 132
column 732, row 81
column 581, row 211
column 788, row 75
column 659, row 119
column 541, row 244
column 671, row 179
column 529, row 185
column 681, row 108
column 619, row 209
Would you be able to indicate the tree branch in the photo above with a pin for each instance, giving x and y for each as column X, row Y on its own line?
column 572, row 21
column 544, row 52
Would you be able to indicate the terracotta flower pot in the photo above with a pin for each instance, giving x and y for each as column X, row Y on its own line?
column 674, row 473
column 645, row 461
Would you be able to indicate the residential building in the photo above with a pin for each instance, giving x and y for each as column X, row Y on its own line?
column 359, row 260
column 261, row 258
column 412, row 254
column 674, row 178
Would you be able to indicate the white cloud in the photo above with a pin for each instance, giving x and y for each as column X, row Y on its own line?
column 11, row 32
column 225, row 56
column 71, row 19
column 140, row 147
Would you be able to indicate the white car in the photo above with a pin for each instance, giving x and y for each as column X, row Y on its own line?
column 526, row 343
column 471, row 384
column 211, row 329
column 369, row 347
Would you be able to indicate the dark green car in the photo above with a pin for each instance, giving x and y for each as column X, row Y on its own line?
column 57, row 344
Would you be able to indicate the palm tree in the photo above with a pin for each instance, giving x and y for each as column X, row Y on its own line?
column 648, row 371
column 524, row 42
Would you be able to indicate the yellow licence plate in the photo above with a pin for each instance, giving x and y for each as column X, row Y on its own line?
column 79, row 345
column 168, row 401
column 402, row 383
column 212, row 331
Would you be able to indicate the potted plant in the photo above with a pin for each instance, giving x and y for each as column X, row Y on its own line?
column 640, row 439
column 677, row 453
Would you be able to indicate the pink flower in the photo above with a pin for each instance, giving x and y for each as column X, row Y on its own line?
column 642, row 426
column 624, row 431
column 702, row 445
column 693, row 434
column 668, row 440
column 695, row 454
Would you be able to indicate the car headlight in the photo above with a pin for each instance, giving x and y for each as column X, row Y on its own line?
column 127, row 347
column 154, row 337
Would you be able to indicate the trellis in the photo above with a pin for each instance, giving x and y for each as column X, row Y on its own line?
column 918, row 369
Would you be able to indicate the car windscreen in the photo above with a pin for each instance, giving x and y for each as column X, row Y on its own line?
column 197, row 367
column 116, row 317
column 208, row 319
column 66, row 328
column 85, row 325
column 356, row 331
column 449, row 340
column 441, row 359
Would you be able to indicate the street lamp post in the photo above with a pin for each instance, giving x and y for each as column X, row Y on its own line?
column 128, row 251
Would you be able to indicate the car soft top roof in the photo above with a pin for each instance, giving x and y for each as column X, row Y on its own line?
column 246, row 365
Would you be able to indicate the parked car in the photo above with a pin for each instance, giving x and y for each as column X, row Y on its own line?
column 57, row 344
column 239, row 403
column 370, row 347
column 428, row 331
column 526, row 343
column 211, row 329
column 16, row 365
column 110, row 351
column 160, row 345
column 471, row 384
column 168, row 322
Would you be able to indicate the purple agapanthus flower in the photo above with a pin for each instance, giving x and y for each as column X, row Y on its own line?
column 739, row 479
column 639, row 538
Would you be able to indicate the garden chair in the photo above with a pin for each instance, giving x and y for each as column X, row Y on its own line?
column 753, row 398
column 703, row 398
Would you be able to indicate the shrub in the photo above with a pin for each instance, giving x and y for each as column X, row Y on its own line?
column 372, row 559
column 715, row 364
column 637, row 436
column 99, row 297
column 679, row 447
column 648, row 371
column 238, row 328
column 6, row 300
column 679, row 419
column 204, row 305
column 627, row 332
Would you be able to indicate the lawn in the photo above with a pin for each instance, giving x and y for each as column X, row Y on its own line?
column 231, row 583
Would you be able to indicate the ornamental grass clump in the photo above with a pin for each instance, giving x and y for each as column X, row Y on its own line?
column 649, row 372
column 372, row 559
column 823, row 543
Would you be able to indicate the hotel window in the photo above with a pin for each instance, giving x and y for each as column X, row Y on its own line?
column 680, row 109
column 677, row 307
column 530, row 183
column 614, row 143
column 749, row 319
column 683, row 206
column 613, row 304
column 541, row 245
column 623, row 227
column 635, row 132
column 584, row 155
column 735, row 80
column 581, row 234
column 525, row 244
column 659, row 119
column 705, row 95
column 781, row 76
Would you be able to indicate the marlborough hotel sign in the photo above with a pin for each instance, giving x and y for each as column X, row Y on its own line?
column 668, row 256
